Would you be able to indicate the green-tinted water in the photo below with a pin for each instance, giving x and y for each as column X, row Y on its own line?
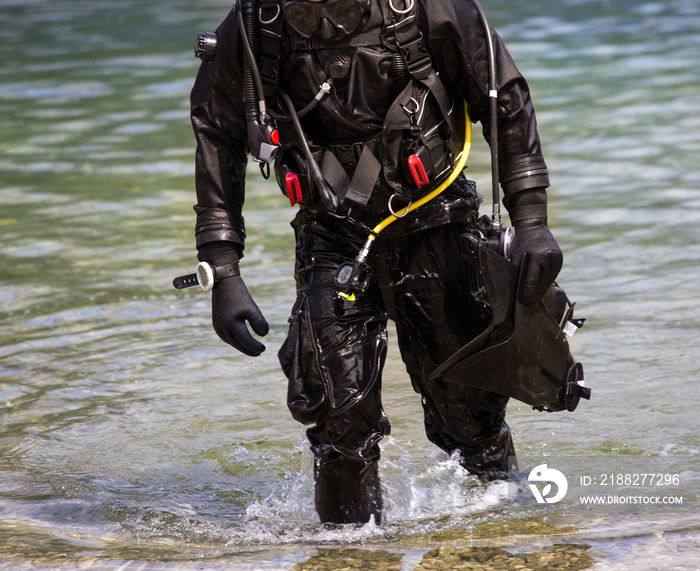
column 131, row 435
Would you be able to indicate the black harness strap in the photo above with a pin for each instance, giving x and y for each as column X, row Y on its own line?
column 270, row 43
column 367, row 171
column 412, row 48
column 365, row 176
column 335, row 174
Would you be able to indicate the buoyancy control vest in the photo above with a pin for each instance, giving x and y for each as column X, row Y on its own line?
column 376, row 117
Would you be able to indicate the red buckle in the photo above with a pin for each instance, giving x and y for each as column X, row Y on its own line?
column 293, row 188
column 417, row 169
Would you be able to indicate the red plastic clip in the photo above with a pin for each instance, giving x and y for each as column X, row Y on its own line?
column 417, row 171
column 293, row 188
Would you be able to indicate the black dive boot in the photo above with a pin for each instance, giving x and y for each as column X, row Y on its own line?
column 491, row 461
column 347, row 491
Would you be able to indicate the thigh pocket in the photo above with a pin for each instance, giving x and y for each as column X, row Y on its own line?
column 307, row 392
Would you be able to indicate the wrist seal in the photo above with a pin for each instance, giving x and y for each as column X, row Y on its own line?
column 529, row 212
column 523, row 172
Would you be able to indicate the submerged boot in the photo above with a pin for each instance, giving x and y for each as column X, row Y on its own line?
column 491, row 460
column 347, row 491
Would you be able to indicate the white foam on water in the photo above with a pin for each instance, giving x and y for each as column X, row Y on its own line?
column 418, row 498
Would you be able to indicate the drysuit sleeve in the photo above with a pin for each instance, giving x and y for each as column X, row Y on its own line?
column 218, row 119
column 458, row 46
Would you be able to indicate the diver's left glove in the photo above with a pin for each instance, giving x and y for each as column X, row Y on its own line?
column 231, row 303
column 528, row 214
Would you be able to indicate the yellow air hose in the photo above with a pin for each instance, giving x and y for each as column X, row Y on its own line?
column 459, row 167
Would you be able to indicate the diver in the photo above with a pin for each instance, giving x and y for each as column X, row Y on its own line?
column 362, row 109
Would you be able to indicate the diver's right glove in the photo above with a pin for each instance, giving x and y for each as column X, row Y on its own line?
column 528, row 214
column 231, row 303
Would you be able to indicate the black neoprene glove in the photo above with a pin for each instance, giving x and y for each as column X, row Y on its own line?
column 231, row 304
column 528, row 214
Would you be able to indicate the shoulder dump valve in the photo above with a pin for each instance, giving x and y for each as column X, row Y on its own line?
column 205, row 47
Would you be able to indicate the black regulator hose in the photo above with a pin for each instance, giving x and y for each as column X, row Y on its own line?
column 262, row 135
column 493, row 96
column 252, row 83
column 330, row 200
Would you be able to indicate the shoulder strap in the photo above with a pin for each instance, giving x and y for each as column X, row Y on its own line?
column 271, row 43
column 409, row 40
column 411, row 46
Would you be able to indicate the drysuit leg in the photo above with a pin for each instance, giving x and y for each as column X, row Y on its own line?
column 427, row 286
column 333, row 359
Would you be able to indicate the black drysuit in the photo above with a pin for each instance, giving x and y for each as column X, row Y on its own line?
column 422, row 276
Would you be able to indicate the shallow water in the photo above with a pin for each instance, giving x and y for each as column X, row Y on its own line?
column 132, row 438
